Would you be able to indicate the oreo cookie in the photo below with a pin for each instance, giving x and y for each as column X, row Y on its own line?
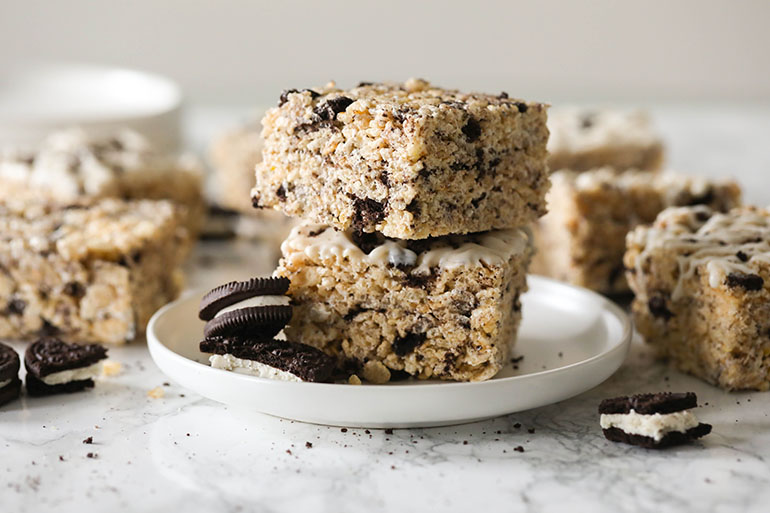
column 261, row 322
column 653, row 421
column 276, row 359
column 237, row 291
column 55, row 367
column 10, row 385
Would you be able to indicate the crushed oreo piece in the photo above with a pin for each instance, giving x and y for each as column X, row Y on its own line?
column 749, row 282
column 658, row 308
column 327, row 110
column 405, row 345
column 367, row 213
column 472, row 129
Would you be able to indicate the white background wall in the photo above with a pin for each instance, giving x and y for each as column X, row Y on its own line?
column 235, row 51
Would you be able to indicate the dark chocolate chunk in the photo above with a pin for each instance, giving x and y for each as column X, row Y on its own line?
column 305, row 362
column 414, row 208
column 670, row 439
column 743, row 257
column 419, row 281
column 366, row 242
column 472, row 129
column 74, row 289
column 49, row 355
column 236, row 291
column 327, row 110
column 750, row 282
column 658, row 308
column 285, row 96
column 281, row 192
column 399, row 375
column 367, row 213
column 521, row 106
column 475, row 202
column 261, row 322
column 503, row 96
column 648, row 404
column 402, row 346
column 587, row 120
column 16, row 306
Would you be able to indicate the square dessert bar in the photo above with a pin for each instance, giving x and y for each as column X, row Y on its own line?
column 409, row 160
column 445, row 307
column 87, row 272
column 583, row 139
column 701, row 281
column 71, row 165
column 233, row 156
column 582, row 238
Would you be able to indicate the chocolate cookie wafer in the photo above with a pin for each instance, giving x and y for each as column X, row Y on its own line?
column 55, row 367
column 653, row 421
column 234, row 292
column 10, row 385
column 274, row 359
column 262, row 322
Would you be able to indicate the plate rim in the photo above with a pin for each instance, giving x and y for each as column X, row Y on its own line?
column 622, row 344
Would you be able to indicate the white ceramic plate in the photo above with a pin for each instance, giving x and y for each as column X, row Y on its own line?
column 37, row 100
column 571, row 340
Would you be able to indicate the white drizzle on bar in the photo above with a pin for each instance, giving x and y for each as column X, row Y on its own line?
column 490, row 248
column 701, row 237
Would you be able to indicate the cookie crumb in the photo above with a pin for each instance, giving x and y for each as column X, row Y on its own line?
column 376, row 372
column 89, row 440
column 531, row 431
column 389, row 431
column 344, row 430
column 111, row 368
column 309, row 445
column 92, row 455
column 518, row 448
column 156, row 393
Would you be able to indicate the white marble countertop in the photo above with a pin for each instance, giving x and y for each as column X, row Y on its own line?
column 185, row 453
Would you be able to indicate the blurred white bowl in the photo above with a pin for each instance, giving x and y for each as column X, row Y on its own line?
column 38, row 100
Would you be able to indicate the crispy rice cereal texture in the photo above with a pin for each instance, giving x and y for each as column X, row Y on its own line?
column 582, row 238
column 701, row 281
column 408, row 160
column 88, row 272
column 444, row 308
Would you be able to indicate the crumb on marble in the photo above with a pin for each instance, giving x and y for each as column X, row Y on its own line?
column 111, row 368
column 156, row 393
column 89, row 440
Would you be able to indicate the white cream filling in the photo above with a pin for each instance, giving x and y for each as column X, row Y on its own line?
column 65, row 376
column 5, row 383
column 256, row 301
column 654, row 426
column 229, row 362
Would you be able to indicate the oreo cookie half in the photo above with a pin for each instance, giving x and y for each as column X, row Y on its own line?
column 55, row 367
column 653, row 421
column 274, row 359
column 236, row 291
column 10, row 385
column 261, row 322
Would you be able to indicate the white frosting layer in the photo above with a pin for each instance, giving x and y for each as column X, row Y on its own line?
column 256, row 301
column 229, row 362
column 654, row 426
column 5, row 383
column 713, row 244
column 57, row 378
column 316, row 242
